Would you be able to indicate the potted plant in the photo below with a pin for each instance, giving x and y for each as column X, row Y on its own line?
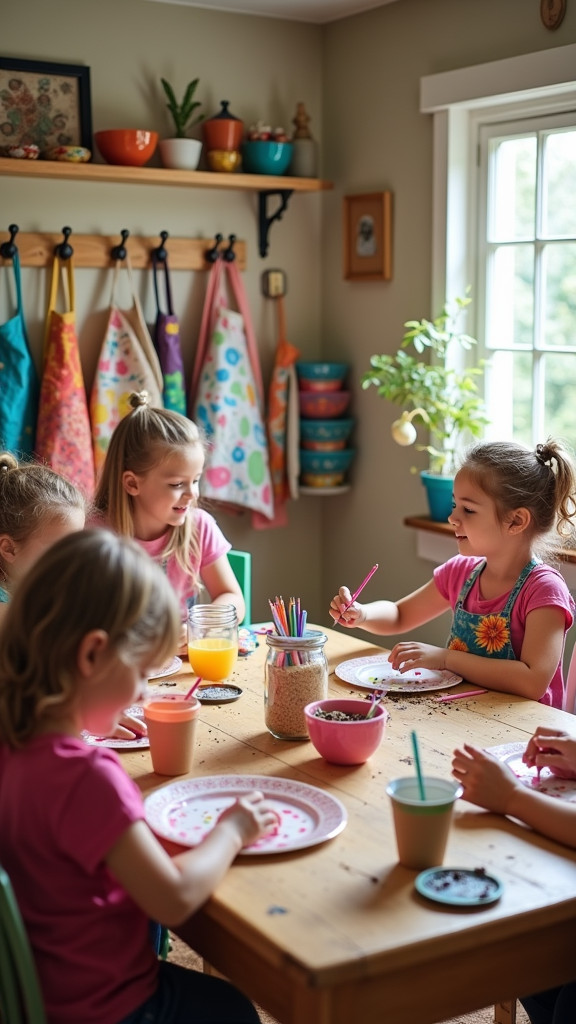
column 181, row 152
column 444, row 399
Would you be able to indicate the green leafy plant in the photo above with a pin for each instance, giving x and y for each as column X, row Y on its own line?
column 182, row 112
column 441, row 397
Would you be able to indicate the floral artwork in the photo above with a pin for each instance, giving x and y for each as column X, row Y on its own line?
column 43, row 107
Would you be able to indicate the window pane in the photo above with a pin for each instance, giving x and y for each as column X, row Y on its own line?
column 560, row 295
column 560, row 375
column 512, row 189
column 509, row 396
column 510, row 304
column 559, row 190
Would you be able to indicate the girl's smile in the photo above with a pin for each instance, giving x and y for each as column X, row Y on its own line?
column 167, row 493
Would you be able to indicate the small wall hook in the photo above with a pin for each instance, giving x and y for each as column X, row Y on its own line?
column 8, row 250
column 211, row 255
column 118, row 252
column 160, row 253
column 63, row 249
column 229, row 254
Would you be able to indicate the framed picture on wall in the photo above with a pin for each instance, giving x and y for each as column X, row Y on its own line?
column 44, row 104
column 368, row 237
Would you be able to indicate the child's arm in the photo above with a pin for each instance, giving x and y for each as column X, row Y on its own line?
column 170, row 889
column 385, row 617
column 528, row 676
column 492, row 785
column 553, row 749
column 222, row 585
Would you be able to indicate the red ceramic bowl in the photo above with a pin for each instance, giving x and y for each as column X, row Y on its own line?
column 323, row 405
column 345, row 742
column 129, row 147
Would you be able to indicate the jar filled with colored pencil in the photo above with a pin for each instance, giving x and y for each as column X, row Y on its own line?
column 296, row 672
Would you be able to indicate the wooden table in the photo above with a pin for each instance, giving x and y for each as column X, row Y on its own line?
column 337, row 932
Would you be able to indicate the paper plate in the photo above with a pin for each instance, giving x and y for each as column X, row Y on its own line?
column 375, row 673
column 459, row 887
column 168, row 669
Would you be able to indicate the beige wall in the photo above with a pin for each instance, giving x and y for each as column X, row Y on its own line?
column 360, row 80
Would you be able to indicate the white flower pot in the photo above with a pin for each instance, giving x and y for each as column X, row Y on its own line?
column 180, row 154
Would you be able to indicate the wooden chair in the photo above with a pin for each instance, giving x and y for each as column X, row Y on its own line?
column 20, row 994
column 241, row 565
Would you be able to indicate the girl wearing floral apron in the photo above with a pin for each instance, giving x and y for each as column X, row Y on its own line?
column 511, row 611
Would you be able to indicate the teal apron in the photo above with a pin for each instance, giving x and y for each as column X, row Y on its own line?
column 486, row 635
column 18, row 381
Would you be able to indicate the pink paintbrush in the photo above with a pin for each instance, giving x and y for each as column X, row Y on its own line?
column 356, row 592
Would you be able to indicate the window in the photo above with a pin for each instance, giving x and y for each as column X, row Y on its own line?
column 505, row 223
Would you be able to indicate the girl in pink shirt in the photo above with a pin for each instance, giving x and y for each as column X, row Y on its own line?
column 85, row 626
column 511, row 612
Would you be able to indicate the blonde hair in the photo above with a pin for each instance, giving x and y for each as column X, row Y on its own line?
column 32, row 496
column 141, row 441
column 89, row 580
column 542, row 481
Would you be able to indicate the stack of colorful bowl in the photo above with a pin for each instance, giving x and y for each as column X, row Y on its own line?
column 324, row 457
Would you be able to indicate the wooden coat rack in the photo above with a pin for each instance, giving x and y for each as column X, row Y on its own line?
column 36, row 249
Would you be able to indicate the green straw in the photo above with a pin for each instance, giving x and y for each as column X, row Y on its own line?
column 417, row 764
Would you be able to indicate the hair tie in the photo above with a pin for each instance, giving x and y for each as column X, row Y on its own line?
column 139, row 398
column 544, row 455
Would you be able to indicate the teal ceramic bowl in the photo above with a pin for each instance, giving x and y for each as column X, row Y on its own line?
column 326, row 462
column 266, row 157
column 321, row 376
column 325, row 435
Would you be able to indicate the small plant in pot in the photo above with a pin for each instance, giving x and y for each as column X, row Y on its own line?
column 181, row 152
column 443, row 399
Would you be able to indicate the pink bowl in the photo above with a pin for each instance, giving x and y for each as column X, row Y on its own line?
column 323, row 405
column 345, row 742
column 306, row 384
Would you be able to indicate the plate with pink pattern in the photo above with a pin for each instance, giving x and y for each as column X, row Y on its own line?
column 134, row 742
column 186, row 811
column 544, row 782
column 376, row 673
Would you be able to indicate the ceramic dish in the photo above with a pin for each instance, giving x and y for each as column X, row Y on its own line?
column 218, row 694
column 70, row 154
column 374, row 673
column 458, row 886
column 186, row 811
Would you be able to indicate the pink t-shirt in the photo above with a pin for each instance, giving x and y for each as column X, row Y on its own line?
column 63, row 805
column 544, row 587
column 212, row 544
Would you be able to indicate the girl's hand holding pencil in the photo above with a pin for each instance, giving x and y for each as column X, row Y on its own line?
column 343, row 607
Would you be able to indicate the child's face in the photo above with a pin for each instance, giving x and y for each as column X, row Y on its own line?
column 113, row 686
column 474, row 518
column 26, row 553
column 167, row 493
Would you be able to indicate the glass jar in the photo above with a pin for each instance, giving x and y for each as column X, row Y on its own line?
column 295, row 673
column 212, row 640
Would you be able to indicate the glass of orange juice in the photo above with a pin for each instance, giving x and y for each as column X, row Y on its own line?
column 212, row 640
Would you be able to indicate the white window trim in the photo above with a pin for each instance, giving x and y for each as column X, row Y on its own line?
column 457, row 99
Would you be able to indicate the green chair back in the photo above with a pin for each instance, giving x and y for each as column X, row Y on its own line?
column 20, row 995
column 241, row 565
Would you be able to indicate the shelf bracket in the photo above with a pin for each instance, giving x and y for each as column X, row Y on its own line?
column 264, row 221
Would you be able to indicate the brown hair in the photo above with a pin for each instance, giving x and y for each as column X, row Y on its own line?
column 542, row 481
column 89, row 580
column 141, row 441
column 31, row 497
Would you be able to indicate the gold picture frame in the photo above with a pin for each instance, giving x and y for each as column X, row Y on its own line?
column 367, row 237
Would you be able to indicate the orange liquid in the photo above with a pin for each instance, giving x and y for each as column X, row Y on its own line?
column 212, row 657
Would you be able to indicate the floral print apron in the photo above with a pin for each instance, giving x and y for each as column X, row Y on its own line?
column 486, row 635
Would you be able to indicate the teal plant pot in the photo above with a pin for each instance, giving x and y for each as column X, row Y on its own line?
column 439, row 490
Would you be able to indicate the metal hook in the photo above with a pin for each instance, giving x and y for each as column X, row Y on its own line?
column 160, row 252
column 63, row 250
column 229, row 254
column 211, row 255
column 118, row 252
column 8, row 250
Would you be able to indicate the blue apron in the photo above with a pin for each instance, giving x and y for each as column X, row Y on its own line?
column 18, row 381
column 486, row 635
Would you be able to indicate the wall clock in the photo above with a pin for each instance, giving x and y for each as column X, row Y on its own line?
column 552, row 12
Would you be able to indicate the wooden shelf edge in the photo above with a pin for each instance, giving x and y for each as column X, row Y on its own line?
column 156, row 176
column 430, row 526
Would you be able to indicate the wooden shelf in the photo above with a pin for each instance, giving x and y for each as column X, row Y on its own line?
column 157, row 176
column 427, row 524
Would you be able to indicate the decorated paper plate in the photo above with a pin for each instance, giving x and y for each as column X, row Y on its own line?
column 375, row 673
column 168, row 669
column 131, row 743
column 544, row 782
column 459, row 886
column 186, row 811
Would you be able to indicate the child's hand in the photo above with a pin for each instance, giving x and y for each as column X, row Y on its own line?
column 553, row 749
column 410, row 655
column 251, row 815
column 129, row 727
column 486, row 781
column 353, row 616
